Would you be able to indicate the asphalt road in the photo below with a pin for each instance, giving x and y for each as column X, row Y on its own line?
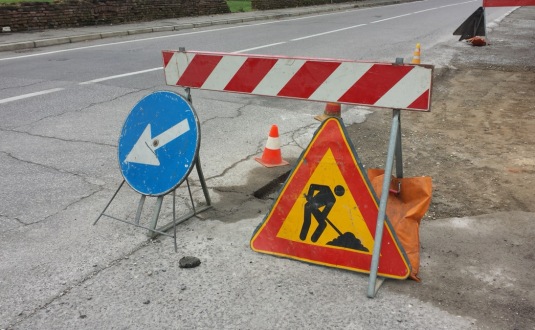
column 62, row 109
column 53, row 83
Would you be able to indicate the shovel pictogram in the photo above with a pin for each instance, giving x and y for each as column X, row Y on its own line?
column 320, row 201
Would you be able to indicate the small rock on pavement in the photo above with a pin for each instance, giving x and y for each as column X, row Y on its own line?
column 189, row 262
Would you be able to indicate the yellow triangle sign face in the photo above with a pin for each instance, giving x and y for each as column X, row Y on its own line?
column 343, row 217
column 326, row 212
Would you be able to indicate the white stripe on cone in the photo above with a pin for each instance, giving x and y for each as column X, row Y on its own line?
column 273, row 143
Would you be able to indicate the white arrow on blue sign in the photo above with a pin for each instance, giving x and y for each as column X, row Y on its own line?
column 159, row 143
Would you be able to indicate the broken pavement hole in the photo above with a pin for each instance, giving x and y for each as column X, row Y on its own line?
column 272, row 187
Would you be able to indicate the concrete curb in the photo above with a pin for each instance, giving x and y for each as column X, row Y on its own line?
column 52, row 42
column 183, row 26
column 17, row 46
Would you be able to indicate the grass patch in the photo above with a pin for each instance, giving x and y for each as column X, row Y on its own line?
column 238, row 5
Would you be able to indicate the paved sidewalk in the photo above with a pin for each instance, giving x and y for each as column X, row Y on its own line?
column 25, row 40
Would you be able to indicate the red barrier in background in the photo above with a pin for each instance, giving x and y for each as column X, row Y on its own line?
column 508, row 3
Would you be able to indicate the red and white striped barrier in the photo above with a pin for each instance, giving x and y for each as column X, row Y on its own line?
column 508, row 3
column 383, row 85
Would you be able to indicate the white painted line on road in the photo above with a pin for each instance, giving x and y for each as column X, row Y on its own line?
column 423, row 11
column 328, row 32
column 435, row 8
column 457, row 4
column 198, row 32
column 119, row 76
column 160, row 37
column 259, row 47
column 25, row 96
column 203, row 31
column 393, row 17
column 160, row 68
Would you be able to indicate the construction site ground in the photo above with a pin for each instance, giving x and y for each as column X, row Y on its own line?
column 477, row 246
column 478, row 145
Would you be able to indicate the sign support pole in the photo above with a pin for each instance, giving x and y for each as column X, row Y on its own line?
column 153, row 230
column 399, row 152
column 393, row 148
column 156, row 214
column 140, row 208
column 111, row 200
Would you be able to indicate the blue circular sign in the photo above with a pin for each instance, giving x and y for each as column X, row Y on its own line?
column 159, row 143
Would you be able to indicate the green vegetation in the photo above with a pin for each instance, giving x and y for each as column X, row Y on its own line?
column 237, row 5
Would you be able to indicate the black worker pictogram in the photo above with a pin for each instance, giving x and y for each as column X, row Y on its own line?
column 320, row 201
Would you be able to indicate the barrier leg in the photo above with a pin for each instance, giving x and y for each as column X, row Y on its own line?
column 155, row 216
column 399, row 153
column 372, row 289
column 140, row 208
column 203, row 182
column 109, row 202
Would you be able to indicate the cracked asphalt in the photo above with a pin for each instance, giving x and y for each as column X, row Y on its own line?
column 58, row 271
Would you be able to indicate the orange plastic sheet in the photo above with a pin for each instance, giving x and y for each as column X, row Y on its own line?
column 408, row 202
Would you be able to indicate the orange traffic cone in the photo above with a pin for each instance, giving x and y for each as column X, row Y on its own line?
column 272, row 153
column 416, row 55
column 331, row 110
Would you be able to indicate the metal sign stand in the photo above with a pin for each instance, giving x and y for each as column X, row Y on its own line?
column 394, row 149
column 409, row 92
column 153, row 230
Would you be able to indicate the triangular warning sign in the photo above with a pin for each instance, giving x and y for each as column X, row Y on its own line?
column 326, row 212
column 472, row 26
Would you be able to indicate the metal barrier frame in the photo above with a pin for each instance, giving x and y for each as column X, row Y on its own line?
column 153, row 230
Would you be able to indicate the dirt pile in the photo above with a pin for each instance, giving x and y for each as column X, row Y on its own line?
column 477, row 143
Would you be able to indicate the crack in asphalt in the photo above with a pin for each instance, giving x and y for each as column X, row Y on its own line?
column 22, row 86
column 56, row 138
column 13, row 218
column 299, row 132
column 239, row 114
column 226, row 170
column 82, row 198
column 79, row 110
column 80, row 282
column 49, row 167
column 260, row 147
column 94, row 188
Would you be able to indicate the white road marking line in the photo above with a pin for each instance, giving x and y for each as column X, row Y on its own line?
column 25, row 96
column 456, row 4
column 389, row 18
column 423, row 11
column 199, row 32
column 259, row 47
column 119, row 76
column 328, row 32
column 162, row 37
